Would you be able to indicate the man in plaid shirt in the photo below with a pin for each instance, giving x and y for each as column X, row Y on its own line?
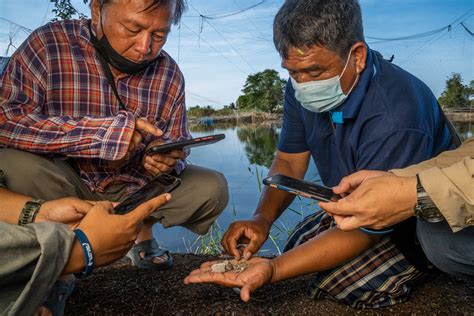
column 67, row 133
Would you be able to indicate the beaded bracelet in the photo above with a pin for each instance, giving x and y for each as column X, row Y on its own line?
column 88, row 254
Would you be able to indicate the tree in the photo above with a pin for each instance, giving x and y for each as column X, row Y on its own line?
column 456, row 94
column 64, row 10
column 263, row 91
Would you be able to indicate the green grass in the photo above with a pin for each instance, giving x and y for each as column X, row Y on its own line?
column 209, row 244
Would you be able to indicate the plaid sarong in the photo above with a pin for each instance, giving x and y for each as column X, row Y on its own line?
column 379, row 277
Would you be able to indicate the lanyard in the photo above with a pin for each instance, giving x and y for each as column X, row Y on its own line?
column 110, row 78
column 106, row 67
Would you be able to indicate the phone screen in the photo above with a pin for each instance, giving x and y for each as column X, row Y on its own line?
column 300, row 187
column 164, row 183
column 184, row 144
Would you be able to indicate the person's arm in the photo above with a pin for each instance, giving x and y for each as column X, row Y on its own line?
column 34, row 256
column 176, row 130
column 452, row 191
column 66, row 210
column 325, row 251
column 272, row 201
column 32, row 259
column 291, row 159
column 445, row 159
column 24, row 126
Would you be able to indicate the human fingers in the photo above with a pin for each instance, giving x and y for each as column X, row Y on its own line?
column 232, row 241
column 158, row 159
column 142, row 125
column 253, row 246
column 226, row 279
column 144, row 210
column 82, row 207
column 342, row 207
column 347, row 223
column 177, row 154
column 154, row 170
column 350, row 183
column 135, row 141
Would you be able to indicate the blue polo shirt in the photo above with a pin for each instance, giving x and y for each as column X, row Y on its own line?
column 390, row 120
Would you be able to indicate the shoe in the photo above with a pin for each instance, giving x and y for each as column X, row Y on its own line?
column 151, row 250
column 59, row 294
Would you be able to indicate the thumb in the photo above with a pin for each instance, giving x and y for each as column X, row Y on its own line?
column 347, row 223
column 351, row 182
column 145, row 126
column 146, row 209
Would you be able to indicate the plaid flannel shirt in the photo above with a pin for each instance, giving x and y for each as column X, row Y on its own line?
column 55, row 100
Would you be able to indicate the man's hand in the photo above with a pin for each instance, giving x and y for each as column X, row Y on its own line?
column 142, row 127
column 351, row 182
column 110, row 235
column 259, row 273
column 69, row 211
column 252, row 232
column 377, row 202
column 162, row 163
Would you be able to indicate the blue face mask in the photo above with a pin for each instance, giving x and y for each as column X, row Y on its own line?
column 322, row 95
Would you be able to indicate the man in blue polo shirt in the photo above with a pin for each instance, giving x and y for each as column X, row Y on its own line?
column 348, row 109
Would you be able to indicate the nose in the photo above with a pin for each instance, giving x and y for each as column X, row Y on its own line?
column 300, row 77
column 143, row 45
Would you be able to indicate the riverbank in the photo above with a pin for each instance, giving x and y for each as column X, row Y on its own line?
column 460, row 116
column 259, row 117
column 124, row 290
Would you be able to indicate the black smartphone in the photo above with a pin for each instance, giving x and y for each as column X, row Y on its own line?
column 163, row 183
column 183, row 144
column 302, row 188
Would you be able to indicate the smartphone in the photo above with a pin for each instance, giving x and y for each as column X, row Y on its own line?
column 183, row 144
column 303, row 188
column 163, row 183
column 312, row 191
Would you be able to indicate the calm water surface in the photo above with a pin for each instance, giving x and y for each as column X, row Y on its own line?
column 244, row 157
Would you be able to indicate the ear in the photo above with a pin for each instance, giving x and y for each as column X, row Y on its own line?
column 95, row 14
column 359, row 50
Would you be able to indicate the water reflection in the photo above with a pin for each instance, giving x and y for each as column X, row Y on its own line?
column 464, row 129
column 260, row 144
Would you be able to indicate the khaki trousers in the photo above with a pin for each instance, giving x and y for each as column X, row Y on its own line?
column 195, row 204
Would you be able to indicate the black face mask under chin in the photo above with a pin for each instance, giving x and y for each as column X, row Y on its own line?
column 115, row 59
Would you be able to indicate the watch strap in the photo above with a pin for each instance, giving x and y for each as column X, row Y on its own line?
column 29, row 212
column 425, row 209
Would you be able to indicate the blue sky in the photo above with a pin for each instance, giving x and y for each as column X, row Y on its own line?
column 216, row 63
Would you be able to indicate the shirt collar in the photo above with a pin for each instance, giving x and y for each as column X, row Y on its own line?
column 351, row 107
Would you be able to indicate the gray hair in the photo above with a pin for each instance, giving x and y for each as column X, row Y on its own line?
column 333, row 24
column 181, row 6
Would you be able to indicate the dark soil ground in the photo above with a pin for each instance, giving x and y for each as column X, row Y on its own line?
column 122, row 289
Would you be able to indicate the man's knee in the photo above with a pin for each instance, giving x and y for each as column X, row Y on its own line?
column 213, row 192
column 448, row 251
column 33, row 175
column 206, row 198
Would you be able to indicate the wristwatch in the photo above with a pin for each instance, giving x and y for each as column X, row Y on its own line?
column 425, row 209
column 29, row 212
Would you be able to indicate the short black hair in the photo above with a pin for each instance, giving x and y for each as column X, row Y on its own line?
column 181, row 7
column 333, row 24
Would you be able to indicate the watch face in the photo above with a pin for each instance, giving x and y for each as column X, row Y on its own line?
column 431, row 215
